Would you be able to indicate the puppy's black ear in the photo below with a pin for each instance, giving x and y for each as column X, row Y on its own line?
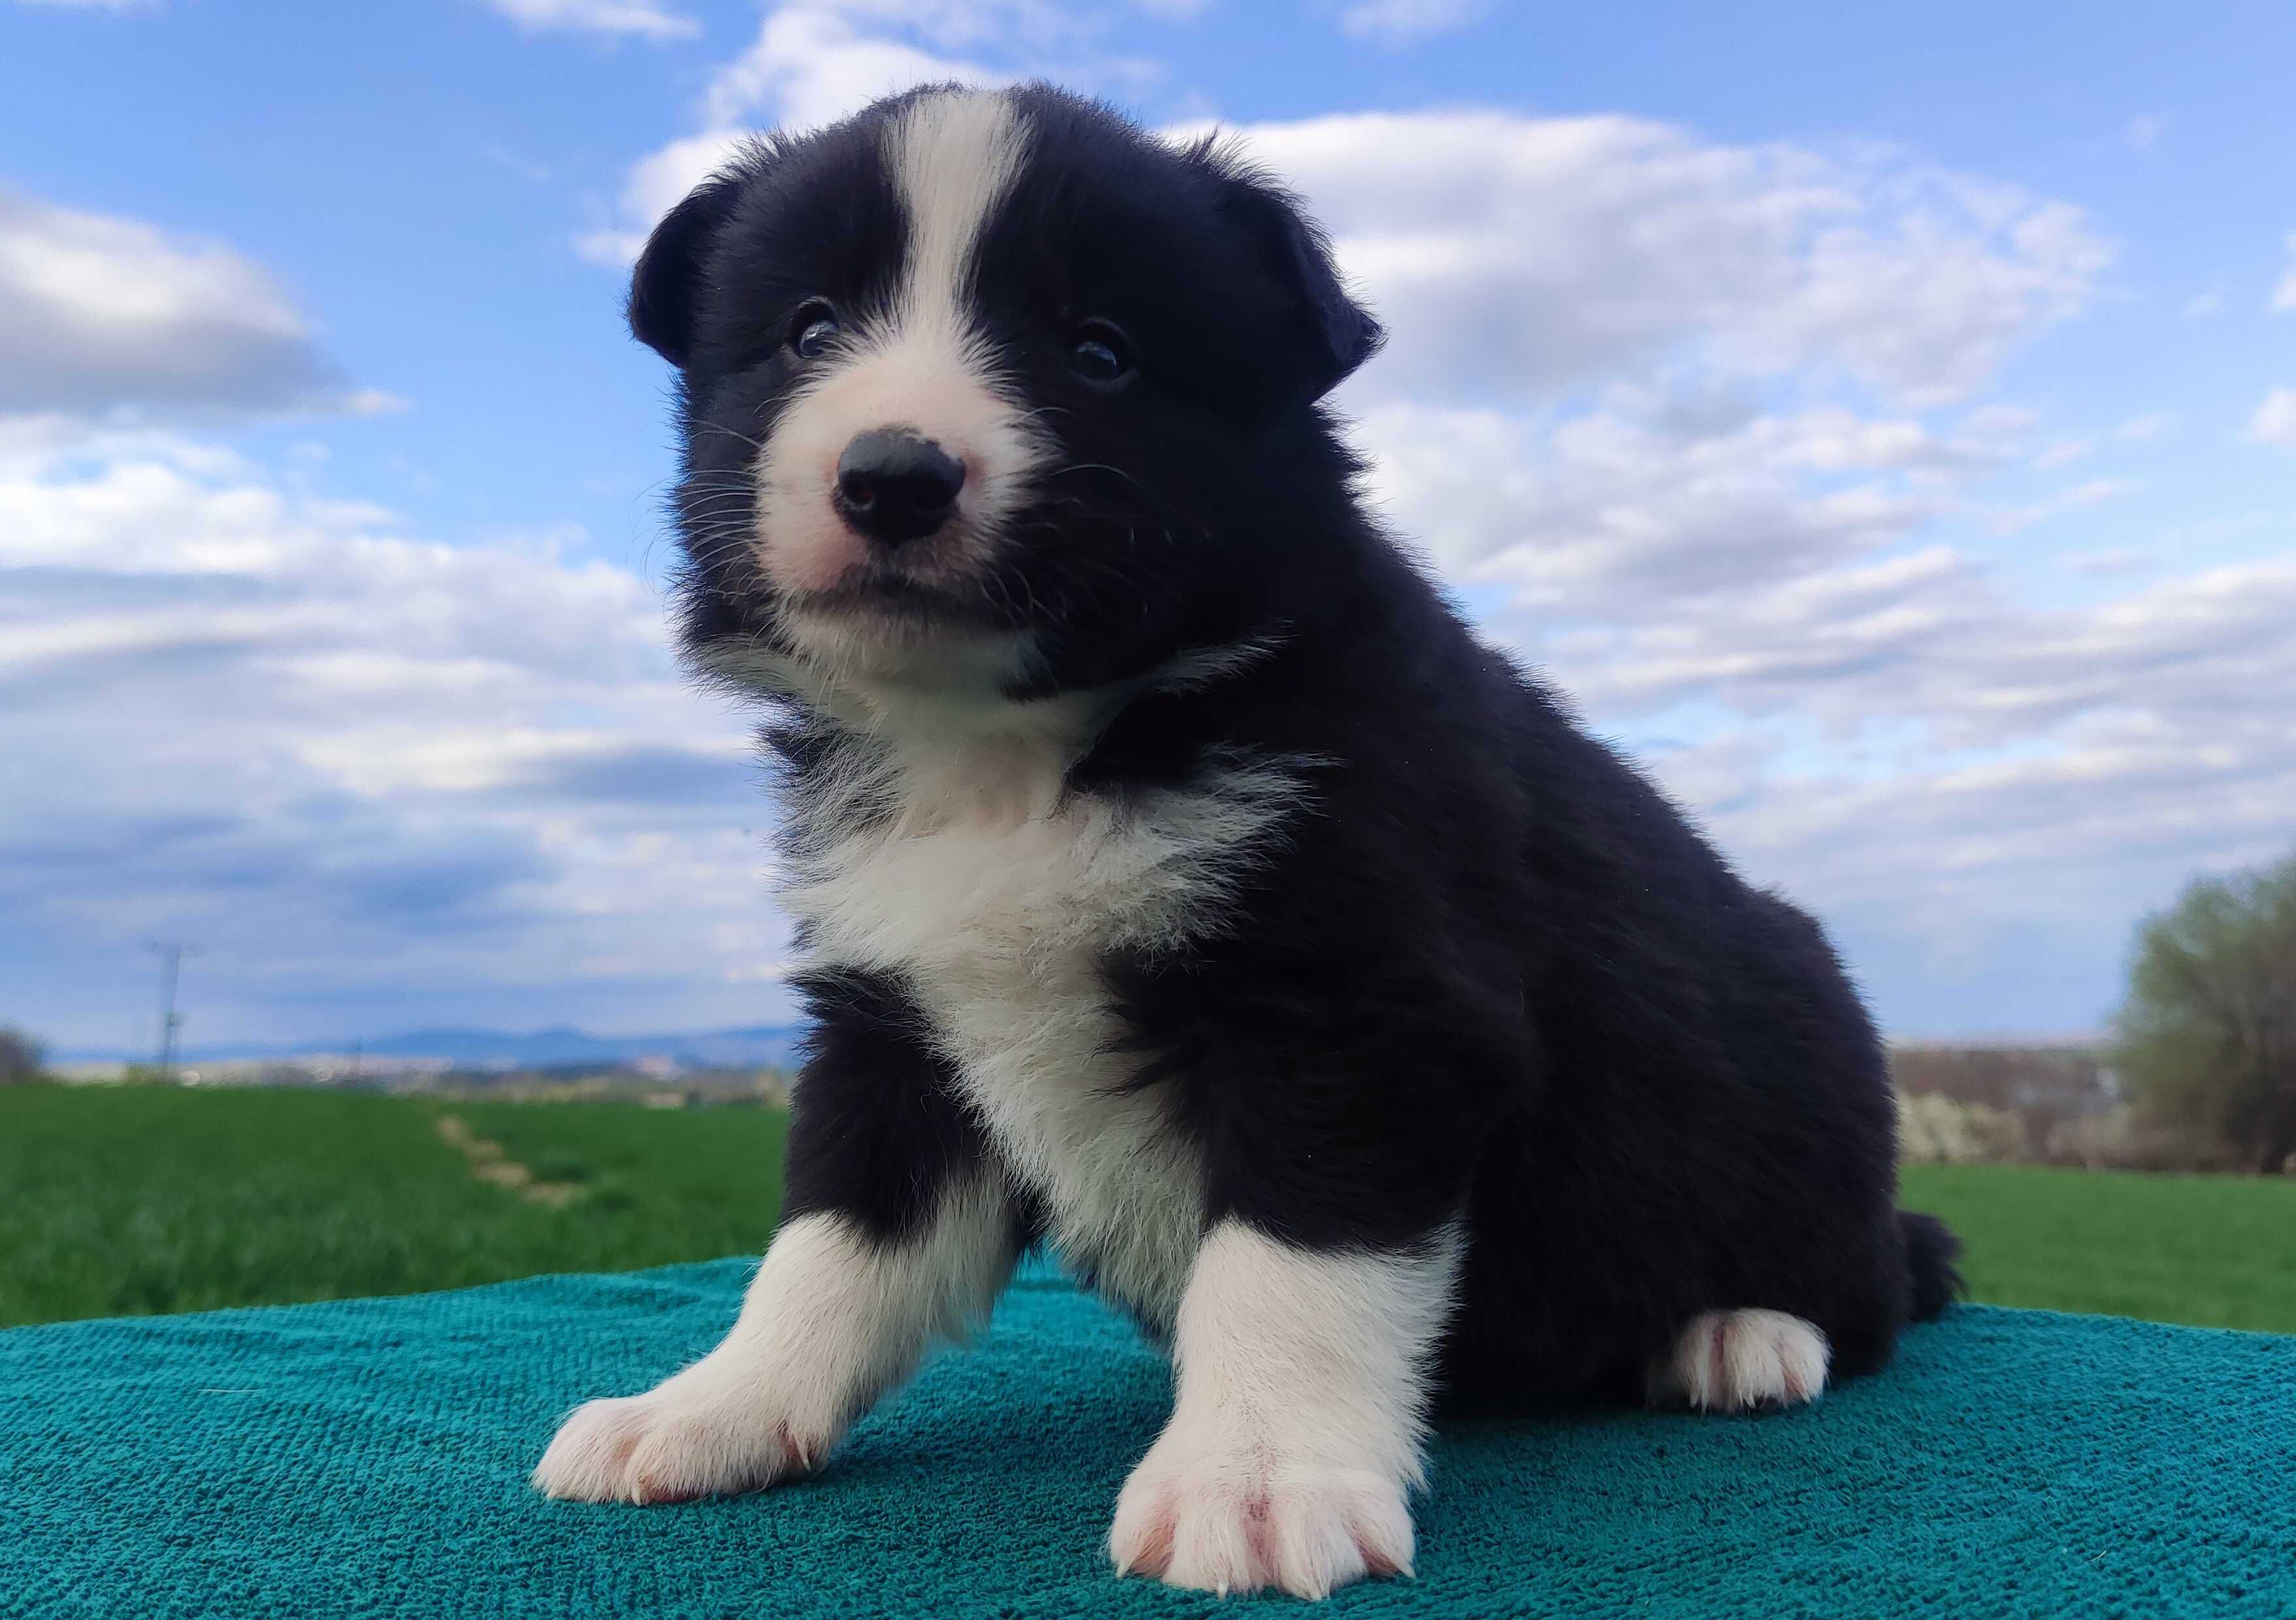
column 1341, row 333
column 664, row 287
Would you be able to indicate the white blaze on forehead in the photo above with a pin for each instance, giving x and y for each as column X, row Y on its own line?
column 953, row 156
column 924, row 364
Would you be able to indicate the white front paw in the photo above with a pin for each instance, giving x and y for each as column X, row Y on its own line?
column 677, row 1441
column 1226, row 1518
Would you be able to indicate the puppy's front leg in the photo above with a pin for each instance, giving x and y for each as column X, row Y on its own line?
column 1294, row 1441
column 897, row 1227
column 835, row 1318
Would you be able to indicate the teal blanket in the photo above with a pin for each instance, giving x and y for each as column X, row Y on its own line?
column 369, row 1458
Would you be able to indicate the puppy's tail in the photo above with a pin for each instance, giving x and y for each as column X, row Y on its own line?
column 1931, row 1250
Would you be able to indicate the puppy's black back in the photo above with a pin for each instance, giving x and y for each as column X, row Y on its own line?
column 1651, row 1085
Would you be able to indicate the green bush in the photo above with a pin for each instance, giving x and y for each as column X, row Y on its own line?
column 22, row 1059
column 2208, row 1031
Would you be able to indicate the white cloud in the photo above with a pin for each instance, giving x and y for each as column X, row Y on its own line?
column 2094, row 492
column 654, row 185
column 610, row 17
column 2274, row 422
column 2207, row 302
column 2112, row 560
column 509, row 161
column 1928, row 638
column 2283, row 293
column 813, row 61
column 339, row 756
column 2005, row 887
column 2144, row 132
column 2140, row 428
column 1616, row 512
column 1978, row 794
column 1529, row 256
column 1398, row 22
column 100, row 313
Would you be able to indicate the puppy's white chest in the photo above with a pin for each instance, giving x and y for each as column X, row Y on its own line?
column 998, row 925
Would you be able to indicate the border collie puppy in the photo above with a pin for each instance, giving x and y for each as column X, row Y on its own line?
column 1183, row 885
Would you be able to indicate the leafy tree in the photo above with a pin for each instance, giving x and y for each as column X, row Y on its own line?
column 20, row 1056
column 2208, row 1033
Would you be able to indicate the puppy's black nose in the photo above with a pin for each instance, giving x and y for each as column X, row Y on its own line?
column 895, row 486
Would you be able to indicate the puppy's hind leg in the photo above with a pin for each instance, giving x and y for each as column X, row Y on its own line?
column 1733, row 1360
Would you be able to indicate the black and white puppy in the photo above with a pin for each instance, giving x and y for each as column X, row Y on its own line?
column 1184, row 886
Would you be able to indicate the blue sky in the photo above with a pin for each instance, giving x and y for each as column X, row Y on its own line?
column 1884, row 423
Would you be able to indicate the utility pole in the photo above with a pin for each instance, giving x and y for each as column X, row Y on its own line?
column 171, row 952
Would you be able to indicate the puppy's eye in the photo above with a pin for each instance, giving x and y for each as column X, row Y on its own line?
column 1099, row 353
column 812, row 329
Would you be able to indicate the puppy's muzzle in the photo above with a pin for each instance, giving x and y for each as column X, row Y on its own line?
column 895, row 486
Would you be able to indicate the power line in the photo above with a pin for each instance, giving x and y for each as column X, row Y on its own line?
column 171, row 953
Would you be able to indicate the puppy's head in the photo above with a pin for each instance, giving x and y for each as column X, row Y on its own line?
column 992, row 388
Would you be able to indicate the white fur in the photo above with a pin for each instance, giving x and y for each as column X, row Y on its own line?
column 996, row 897
column 1295, row 1440
column 954, row 155
column 1729, row 1361
column 919, row 363
column 830, row 1322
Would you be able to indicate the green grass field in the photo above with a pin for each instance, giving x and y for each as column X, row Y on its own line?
column 2219, row 1251
column 140, row 1199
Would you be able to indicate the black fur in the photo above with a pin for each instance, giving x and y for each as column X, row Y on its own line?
column 1489, row 970
column 882, row 1133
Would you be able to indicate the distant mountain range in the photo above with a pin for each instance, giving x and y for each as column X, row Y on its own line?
column 541, row 1048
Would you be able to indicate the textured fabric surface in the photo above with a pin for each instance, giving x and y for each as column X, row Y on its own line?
column 369, row 1458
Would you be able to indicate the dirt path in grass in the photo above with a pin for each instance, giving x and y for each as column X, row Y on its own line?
column 491, row 1164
